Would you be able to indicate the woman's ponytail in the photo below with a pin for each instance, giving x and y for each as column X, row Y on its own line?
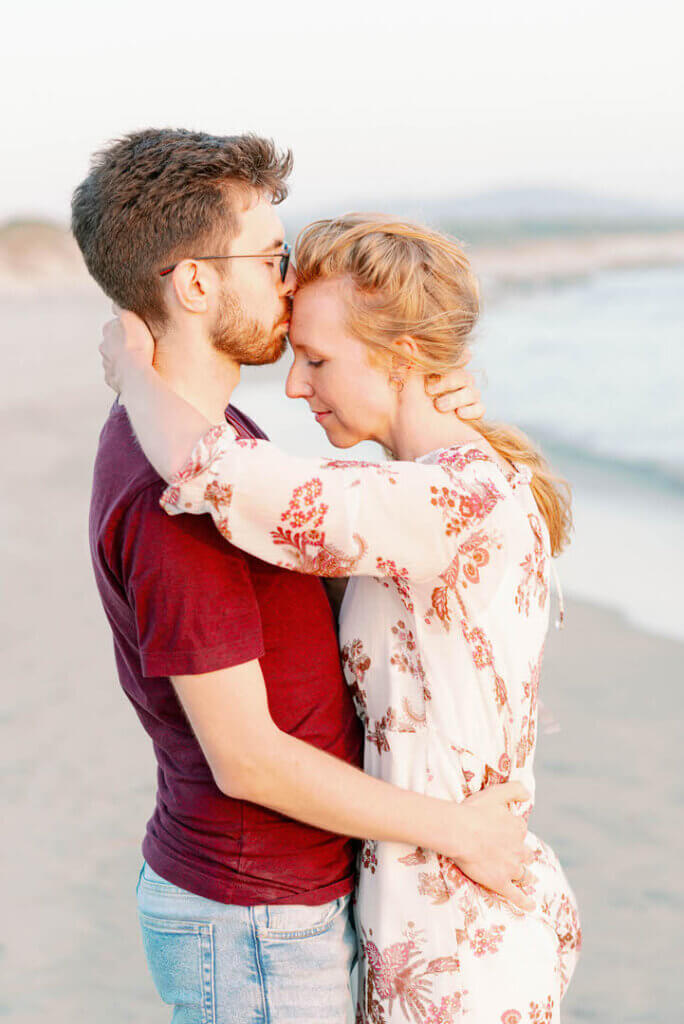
column 551, row 492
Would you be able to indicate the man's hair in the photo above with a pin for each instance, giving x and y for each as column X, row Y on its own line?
column 158, row 195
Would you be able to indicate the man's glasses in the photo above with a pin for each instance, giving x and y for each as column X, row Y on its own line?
column 284, row 260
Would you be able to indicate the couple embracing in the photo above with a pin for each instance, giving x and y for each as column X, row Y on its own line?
column 277, row 749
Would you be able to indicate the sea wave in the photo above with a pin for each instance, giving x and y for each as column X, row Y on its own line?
column 654, row 472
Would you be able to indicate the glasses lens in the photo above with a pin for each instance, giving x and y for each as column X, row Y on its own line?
column 284, row 262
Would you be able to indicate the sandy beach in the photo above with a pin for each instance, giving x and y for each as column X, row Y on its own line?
column 79, row 771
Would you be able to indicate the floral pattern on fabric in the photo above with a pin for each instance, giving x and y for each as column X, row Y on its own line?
column 442, row 632
column 400, row 978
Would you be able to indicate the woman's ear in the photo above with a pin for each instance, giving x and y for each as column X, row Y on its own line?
column 404, row 351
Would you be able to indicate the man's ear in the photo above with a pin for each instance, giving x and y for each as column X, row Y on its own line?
column 192, row 285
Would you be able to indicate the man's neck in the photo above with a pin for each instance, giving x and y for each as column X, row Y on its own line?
column 198, row 373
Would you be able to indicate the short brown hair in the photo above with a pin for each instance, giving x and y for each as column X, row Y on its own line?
column 155, row 195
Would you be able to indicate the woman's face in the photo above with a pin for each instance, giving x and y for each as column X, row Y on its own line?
column 350, row 397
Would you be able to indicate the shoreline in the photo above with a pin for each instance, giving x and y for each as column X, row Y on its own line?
column 37, row 259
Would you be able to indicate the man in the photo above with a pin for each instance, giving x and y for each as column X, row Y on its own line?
column 231, row 664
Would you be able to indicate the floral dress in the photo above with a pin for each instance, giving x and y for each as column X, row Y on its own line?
column 442, row 632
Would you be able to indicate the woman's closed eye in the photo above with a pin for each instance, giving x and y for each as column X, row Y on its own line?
column 314, row 362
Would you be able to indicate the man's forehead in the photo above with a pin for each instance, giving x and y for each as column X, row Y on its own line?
column 260, row 224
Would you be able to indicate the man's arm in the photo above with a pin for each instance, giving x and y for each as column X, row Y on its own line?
column 251, row 759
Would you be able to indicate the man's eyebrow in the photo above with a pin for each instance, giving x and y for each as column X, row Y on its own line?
column 278, row 244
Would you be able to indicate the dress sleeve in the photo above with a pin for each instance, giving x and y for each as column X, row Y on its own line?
column 331, row 517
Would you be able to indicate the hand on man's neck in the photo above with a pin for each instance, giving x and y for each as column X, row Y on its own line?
column 196, row 371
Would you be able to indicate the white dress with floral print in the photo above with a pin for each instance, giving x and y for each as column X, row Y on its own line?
column 442, row 632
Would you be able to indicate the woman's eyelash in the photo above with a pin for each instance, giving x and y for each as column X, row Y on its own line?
column 315, row 362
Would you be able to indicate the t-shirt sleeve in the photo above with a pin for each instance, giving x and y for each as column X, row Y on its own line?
column 191, row 593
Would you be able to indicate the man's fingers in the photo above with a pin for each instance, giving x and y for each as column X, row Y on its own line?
column 466, row 356
column 436, row 384
column 514, row 895
column 510, row 792
column 471, row 412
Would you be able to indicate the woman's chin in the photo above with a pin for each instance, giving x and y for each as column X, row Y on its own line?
column 340, row 438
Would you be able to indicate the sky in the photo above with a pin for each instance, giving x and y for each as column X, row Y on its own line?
column 376, row 99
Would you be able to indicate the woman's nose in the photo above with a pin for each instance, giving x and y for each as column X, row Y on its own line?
column 296, row 385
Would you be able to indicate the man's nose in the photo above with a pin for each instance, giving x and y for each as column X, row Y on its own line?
column 296, row 385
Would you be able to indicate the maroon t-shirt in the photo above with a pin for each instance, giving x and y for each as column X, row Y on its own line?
column 182, row 601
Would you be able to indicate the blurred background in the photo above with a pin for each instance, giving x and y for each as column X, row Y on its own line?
column 550, row 141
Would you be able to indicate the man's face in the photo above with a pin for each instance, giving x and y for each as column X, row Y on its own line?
column 253, row 311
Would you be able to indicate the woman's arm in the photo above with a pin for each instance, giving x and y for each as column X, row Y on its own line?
column 331, row 517
column 326, row 517
column 167, row 427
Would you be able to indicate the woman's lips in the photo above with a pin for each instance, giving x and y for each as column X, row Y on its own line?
column 321, row 415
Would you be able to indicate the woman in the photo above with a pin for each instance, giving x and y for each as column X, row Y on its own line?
column 443, row 624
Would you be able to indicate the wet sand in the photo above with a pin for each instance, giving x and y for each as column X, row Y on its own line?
column 79, row 771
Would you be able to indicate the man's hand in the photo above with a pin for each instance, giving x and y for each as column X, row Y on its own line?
column 492, row 842
column 456, row 391
column 127, row 346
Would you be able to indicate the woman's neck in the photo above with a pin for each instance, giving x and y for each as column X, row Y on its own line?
column 418, row 428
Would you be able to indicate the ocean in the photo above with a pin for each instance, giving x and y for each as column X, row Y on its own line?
column 593, row 370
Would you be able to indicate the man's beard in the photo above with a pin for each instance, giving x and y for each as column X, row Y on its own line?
column 245, row 339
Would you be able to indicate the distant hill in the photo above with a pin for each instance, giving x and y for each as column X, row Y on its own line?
column 529, row 203
column 527, row 211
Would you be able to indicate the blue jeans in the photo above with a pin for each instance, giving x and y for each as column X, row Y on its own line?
column 216, row 963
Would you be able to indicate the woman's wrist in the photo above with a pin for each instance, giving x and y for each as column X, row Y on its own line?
column 134, row 378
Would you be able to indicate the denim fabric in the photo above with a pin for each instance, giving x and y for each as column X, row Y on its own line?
column 217, row 963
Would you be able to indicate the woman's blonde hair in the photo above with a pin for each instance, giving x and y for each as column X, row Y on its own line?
column 410, row 280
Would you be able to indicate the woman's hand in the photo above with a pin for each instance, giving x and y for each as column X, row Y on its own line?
column 127, row 347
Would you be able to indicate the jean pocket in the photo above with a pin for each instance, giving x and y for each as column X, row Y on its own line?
column 180, row 956
column 295, row 921
column 155, row 883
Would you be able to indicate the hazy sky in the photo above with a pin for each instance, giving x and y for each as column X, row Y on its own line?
column 376, row 98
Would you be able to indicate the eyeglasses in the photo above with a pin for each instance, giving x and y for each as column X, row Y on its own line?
column 284, row 260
